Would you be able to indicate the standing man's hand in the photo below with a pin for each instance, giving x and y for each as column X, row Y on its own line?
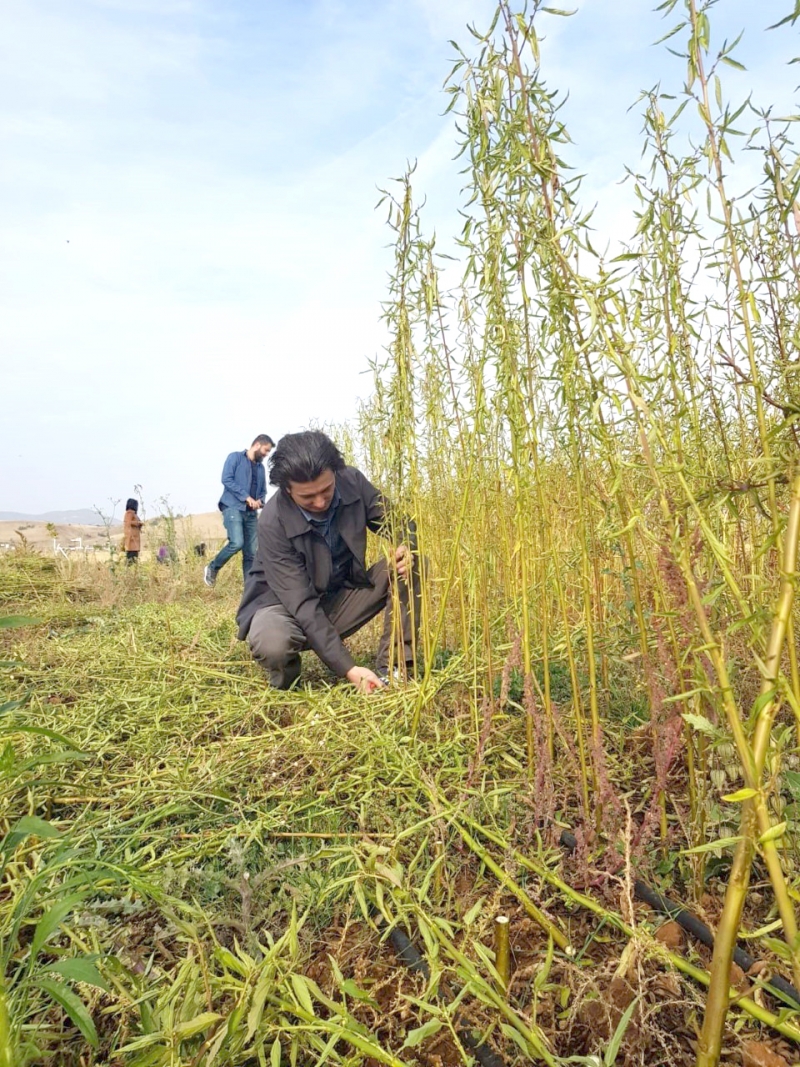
column 365, row 680
column 403, row 562
column 254, row 505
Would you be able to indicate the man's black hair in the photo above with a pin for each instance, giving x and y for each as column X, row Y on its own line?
column 132, row 505
column 263, row 439
column 302, row 457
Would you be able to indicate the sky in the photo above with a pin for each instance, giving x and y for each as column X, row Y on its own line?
column 190, row 253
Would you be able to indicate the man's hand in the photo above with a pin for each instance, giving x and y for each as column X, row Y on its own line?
column 403, row 561
column 254, row 505
column 365, row 680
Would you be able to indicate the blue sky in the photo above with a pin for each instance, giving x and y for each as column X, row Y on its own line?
column 190, row 252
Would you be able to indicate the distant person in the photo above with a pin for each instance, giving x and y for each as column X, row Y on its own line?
column 244, row 489
column 200, row 550
column 162, row 556
column 132, row 532
column 309, row 586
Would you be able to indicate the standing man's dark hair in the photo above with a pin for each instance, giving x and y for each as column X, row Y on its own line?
column 244, row 489
column 302, row 457
column 309, row 586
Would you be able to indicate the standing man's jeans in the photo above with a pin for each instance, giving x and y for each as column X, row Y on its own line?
column 242, row 530
column 276, row 640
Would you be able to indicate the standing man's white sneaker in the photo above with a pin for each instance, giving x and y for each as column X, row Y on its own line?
column 209, row 576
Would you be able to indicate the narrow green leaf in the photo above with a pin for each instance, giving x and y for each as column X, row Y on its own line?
column 699, row 723
column 8, row 622
column 762, row 700
column 28, row 824
column 762, row 931
column 741, row 794
column 197, row 1025
column 227, row 959
column 780, row 948
column 40, row 731
column 791, row 780
column 46, row 758
column 32, row 824
column 360, row 896
column 79, row 969
column 670, row 33
column 301, row 992
column 610, row 1057
column 142, row 1042
column 711, row 846
column 421, row 1033
column 51, row 920
column 349, row 987
column 275, row 1053
column 73, row 1006
column 544, row 971
column 774, row 832
column 514, row 1035
column 474, row 911
column 12, row 705
column 263, row 986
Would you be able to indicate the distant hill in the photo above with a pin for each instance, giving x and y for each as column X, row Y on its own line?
column 79, row 517
column 188, row 531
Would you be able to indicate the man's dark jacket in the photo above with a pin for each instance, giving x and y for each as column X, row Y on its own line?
column 293, row 564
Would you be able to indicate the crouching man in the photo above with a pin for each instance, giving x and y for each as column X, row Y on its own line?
column 308, row 587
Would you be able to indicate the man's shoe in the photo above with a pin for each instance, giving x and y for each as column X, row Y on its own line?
column 209, row 576
column 392, row 677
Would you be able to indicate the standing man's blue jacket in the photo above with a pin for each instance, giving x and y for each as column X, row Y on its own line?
column 236, row 478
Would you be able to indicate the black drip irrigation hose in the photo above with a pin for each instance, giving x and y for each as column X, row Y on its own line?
column 410, row 956
column 694, row 926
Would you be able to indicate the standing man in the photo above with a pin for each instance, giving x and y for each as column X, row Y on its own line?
column 244, row 488
column 309, row 586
